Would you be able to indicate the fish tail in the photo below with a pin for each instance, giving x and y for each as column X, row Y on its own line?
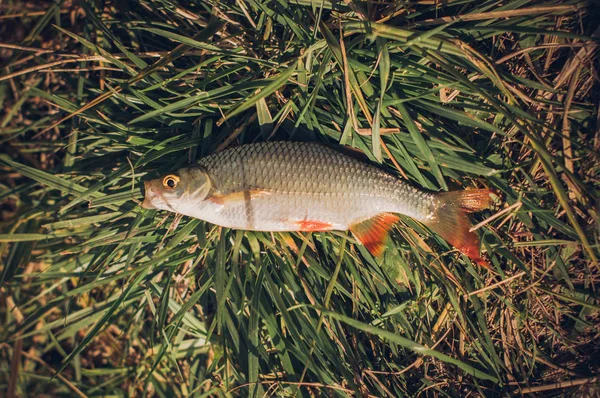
column 450, row 221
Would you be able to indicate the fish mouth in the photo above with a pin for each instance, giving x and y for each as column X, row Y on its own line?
column 149, row 197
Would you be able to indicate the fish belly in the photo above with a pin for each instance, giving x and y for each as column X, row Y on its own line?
column 292, row 212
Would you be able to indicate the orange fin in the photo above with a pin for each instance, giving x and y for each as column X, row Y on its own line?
column 313, row 225
column 372, row 232
column 236, row 198
column 451, row 223
column 469, row 200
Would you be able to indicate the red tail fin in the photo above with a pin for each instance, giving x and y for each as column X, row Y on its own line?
column 451, row 223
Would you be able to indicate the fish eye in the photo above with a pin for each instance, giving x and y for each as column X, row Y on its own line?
column 170, row 181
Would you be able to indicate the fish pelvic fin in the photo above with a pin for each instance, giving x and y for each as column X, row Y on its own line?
column 450, row 220
column 372, row 232
column 237, row 198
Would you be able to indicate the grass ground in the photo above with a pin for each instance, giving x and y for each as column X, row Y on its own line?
column 101, row 297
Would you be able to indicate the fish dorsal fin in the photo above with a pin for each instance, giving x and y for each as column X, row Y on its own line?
column 372, row 232
column 237, row 198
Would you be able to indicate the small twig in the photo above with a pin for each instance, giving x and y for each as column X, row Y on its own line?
column 516, row 205
column 556, row 386
column 498, row 14
column 382, row 131
column 172, row 227
column 23, row 48
column 495, row 285
column 78, row 70
column 28, row 14
column 46, row 66
column 549, row 46
column 566, row 132
column 136, row 201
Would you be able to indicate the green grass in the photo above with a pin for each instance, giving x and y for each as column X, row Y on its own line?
column 99, row 296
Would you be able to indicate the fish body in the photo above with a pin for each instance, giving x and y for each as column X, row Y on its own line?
column 303, row 186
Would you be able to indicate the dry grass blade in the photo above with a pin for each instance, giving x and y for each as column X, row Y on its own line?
column 528, row 11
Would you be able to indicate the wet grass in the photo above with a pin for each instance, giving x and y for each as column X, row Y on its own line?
column 99, row 296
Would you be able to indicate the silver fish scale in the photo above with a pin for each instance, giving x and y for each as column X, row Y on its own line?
column 313, row 180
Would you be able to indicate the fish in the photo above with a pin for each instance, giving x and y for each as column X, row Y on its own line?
column 311, row 186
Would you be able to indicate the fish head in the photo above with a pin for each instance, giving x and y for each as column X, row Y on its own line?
column 176, row 191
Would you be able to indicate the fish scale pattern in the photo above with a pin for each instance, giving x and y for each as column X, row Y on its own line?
column 314, row 180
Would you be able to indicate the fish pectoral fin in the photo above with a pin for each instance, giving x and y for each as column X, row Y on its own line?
column 313, row 225
column 372, row 232
column 236, row 198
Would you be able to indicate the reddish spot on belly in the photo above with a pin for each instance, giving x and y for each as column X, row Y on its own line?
column 313, row 225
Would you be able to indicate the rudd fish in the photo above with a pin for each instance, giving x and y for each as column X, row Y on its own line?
column 303, row 186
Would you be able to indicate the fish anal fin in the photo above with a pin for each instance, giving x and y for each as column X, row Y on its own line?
column 372, row 232
column 313, row 225
column 237, row 198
